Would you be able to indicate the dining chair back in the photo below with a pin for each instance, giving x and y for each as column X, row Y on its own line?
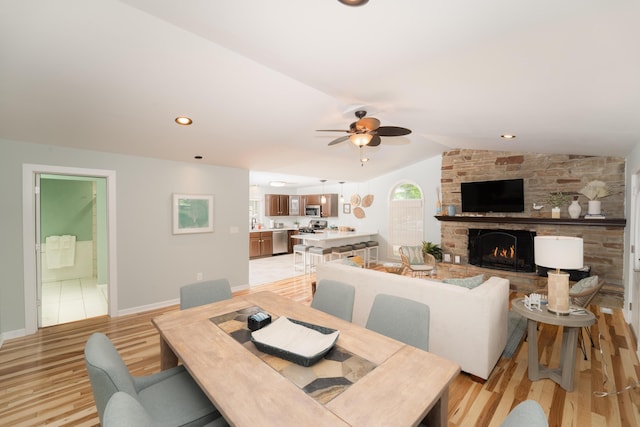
column 528, row 413
column 122, row 410
column 401, row 319
column 206, row 292
column 170, row 395
column 335, row 298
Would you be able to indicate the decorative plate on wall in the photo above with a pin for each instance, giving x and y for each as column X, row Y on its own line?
column 355, row 200
column 358, row 212
column 367, row 200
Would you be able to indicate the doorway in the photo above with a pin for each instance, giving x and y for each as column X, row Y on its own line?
column 37, row 268
column 71, row 220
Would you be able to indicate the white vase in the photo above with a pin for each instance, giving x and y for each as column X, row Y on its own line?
column 555, row 212
column 574, row 209
column 594, row 207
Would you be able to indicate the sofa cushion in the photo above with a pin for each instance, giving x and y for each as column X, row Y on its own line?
column 414, row 254
column 467, row 282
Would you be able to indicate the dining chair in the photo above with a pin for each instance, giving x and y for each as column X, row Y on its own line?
column 124, row 411
column 401, row 319
column 170, row 396
column 528, row 413
column 206, row 292
column 416, row 261
column 335, row 298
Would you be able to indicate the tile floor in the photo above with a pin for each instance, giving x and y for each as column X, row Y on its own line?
column 71, row 300
column 271, row 269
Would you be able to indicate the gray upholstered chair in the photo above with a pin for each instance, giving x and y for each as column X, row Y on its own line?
column 401, row 319
column 206, row 292
column 335, row 298
column 124, row 411
column 171, row 397
column 526, row 414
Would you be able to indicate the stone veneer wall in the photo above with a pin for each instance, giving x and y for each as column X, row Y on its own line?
column 542, row 174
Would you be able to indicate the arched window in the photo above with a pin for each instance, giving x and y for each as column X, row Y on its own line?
column 406, row 217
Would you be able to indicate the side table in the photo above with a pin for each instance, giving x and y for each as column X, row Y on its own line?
column 571, row 325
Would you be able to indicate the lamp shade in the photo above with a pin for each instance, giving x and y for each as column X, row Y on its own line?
column 559, row 252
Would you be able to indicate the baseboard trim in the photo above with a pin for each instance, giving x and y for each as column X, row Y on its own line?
column 148, row 307
column 9, row 335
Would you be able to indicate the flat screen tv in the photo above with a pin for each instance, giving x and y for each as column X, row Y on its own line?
column 505, row 195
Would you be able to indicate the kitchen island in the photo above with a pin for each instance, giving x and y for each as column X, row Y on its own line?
column 329, row 238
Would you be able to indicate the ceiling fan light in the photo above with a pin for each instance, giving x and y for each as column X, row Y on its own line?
column 354, row 2
column 360, row 139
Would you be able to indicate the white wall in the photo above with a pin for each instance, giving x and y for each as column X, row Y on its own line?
column 152, row 262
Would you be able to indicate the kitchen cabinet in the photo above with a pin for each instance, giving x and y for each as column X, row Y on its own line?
column 294, row 206
column 276, row 204
column 260, row 244
column 330, row 207
column 312, row 199
column 292, row 242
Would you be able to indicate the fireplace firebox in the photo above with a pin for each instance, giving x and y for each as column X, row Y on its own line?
column 510, row 250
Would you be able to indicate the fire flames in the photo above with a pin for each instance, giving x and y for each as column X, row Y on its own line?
column 504, row 253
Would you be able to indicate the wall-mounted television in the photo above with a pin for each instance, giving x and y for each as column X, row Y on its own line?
column 506, row 195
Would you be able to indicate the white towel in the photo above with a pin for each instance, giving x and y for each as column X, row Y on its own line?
column 60, row 251
column 67, row 251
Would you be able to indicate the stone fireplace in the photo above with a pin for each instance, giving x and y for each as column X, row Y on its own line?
column 510, row 250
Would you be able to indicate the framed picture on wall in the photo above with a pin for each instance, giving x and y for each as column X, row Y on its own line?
column 346, row 208
column 192, row 213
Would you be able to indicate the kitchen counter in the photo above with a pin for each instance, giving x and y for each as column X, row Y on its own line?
column 255, row 230
column 328, row 239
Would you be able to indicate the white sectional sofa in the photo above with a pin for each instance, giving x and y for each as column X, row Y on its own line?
column 467, row 326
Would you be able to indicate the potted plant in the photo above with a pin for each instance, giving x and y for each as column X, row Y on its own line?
column 433, row 249
column 594, row 191
column 556, row 200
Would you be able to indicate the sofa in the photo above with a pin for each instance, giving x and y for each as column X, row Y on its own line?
column 467, row 326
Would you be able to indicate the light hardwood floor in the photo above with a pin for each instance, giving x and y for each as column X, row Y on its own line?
column 43, row 378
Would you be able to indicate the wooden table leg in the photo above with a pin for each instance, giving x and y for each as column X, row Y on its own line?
column 168, row 358
column 532, row 343
column 438, row 415
column 568, row 357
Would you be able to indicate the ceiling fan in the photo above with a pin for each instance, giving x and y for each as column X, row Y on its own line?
column 366, row 131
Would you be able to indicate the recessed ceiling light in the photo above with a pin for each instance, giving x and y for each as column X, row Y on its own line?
column 507, row 136
column 183, row 120
column 277, row 183
column 353, row 2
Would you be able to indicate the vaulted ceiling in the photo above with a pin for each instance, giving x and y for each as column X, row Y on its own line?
column 258, row 77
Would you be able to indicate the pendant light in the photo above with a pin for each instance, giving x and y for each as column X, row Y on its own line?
column 341, row 192
column 323, row 199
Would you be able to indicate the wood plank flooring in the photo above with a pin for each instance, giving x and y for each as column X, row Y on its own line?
column 43, row 380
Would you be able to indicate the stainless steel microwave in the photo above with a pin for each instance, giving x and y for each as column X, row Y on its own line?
column 312, row 210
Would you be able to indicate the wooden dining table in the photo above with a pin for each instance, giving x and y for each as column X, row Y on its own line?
column 402, row 386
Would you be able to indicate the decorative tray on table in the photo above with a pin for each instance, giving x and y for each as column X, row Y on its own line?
column 294, row 340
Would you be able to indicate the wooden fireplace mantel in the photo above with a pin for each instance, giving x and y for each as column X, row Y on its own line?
column 602, row 222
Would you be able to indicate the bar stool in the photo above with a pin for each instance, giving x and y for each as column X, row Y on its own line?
column 372, row 246
column 341, row 251
column 315, row 252
column 302, row 250
column 361, row 250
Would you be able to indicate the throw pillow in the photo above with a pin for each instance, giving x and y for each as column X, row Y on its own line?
column 414, row 254
column 347, row 261
column 467, row 282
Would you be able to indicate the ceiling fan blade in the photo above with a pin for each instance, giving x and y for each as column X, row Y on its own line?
column 339, row 140
column 392, row 131
column 375, row 141
column 332, row 130
column 368, row 123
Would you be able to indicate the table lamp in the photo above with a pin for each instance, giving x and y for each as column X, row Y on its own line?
column 558, row 252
